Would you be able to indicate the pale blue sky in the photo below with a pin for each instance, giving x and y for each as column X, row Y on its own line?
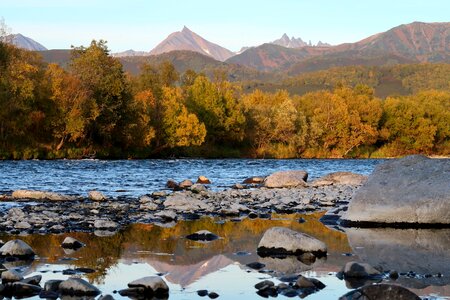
column 142, row 24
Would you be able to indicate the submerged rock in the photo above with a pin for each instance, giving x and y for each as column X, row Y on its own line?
column 410, row 191
column 286, row 179
column 285, row 241
column 17, row 248
column 380, row 291
column 359, row 270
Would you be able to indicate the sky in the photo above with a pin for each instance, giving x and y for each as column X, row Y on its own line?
column 142, row 24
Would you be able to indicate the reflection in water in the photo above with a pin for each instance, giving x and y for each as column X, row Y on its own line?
column 424, row 252
column 143, row 250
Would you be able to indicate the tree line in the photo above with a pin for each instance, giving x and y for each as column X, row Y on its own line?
column 93, row 108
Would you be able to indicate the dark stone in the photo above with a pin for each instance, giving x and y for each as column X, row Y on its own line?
column 52, row 285
column 202, row 235
column 22, row 290
column 48, row 295
column 85, row 270
column 213, row 295
column 301, row 220
column 202, row 293
column 34, row 280
column 393, row 275
column 330, row 220
column 264, row 285
column 380, row 291
column 256, row 265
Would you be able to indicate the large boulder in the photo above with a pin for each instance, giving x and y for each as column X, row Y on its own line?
column 340, row 178
column 78, row 287
column 17, row 248
column 286, row 179
column 380, row 292
column 284, row 241
column 41, row 195
column 185, row 202
column 97, row 196
column 410, row 191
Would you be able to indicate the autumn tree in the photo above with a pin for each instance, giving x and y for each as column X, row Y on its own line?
column 103, row 76
column 217, row 106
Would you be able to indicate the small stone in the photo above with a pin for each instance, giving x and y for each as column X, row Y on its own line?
column 52, row 285
column 106, row 297
column 202, row 293
column 34, row 280
column 78, row 287
column 213, row 295
column 11, row 276
column 202, row 235
column 264, row 284
column 25, row 290
column 393, row 275
column 185, row 184
column 172, row 184
column 203, row 180
column 97, row 196
column 105, row 225
column 71, row 243
column 256, row 265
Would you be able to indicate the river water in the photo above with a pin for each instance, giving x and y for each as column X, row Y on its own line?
column 143, row 250
column 133, row 178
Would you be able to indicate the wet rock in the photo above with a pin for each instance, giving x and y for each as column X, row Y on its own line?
column 253, row 180
column 198, row 188
column 304, row 282
column 16, row 214
column 172, row 184
column 185, row 202
column 78, row 287
column 167, row 215
column 256, row 265
column 23, row 225
column 411, row 190
column 33, row 280
column 105, row 225
column 185, row 184
column 17, row 248
column 202, row 293
column 380, row 291
column 340, row 178
column 284, row 241
column 11, row 276
column 203, row 180
column 159, row 194
column 151, row 286
column 286, row 179
column 238, row 186
column 213, row 295
column 106, row 297
column 23, row 290
column 359, row 270
column 393, row 275
column 202, row 235
column 71, row 243
column 52, row 285
column 41, row 195
column 97, row 196
column 264, row 285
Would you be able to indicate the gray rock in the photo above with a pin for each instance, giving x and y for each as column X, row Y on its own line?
column 185, row 184
column 105, row 225
column 185, row 202
column 167, row 215
column 354, row 269
column 97, row 196
column 286, row 179
column 281, row 240
column 22, row 290
column 52, row 285
column 41, row 195
column 340, row 178
column 78, row 287
column 17, row 248
column 305, row 282
column 380, row 291
column 106, row 297
column 16, row 214
column 34, row 280
column 11, row 276
column 71, row 243
column 151, row 285
column 411, row 190
column 22, row 225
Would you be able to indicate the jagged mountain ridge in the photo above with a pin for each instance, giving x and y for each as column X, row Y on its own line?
column 188, row 40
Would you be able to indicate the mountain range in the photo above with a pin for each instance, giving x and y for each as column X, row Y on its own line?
column 410, row 43
column 24, row 42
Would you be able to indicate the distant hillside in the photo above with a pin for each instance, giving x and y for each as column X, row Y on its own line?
column 130, row 52
column 24, row 42
column 415, row 42
column 60, row 57
column 188, row 40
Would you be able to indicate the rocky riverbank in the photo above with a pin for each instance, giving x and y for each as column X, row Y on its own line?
column 44, row 212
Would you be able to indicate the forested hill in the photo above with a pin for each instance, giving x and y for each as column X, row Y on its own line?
column 92, row 108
